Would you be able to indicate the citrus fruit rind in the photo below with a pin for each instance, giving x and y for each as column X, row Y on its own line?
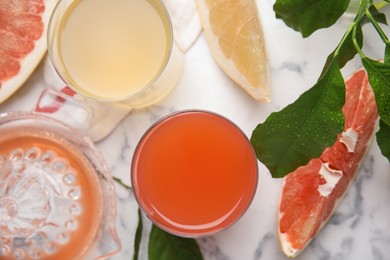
column 235, row 37
column 23, row 26
column 311, row 193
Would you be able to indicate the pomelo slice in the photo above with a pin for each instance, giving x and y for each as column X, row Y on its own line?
column 23, row 25
column 235, row 37
column 311, row 193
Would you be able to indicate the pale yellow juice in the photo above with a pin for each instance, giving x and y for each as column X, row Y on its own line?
column 110, row 49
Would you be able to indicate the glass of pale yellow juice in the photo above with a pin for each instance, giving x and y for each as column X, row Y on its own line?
column 119, row 51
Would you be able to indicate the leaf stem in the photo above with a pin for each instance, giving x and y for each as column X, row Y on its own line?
column 356, row 44
column 345, row 36
column 121, row 183
column 377, row 27
column 138, row 235
column 362, row 8
column 352, row 28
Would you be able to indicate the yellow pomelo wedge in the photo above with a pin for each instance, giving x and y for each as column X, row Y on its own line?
column 23, row 25
column 235, row 37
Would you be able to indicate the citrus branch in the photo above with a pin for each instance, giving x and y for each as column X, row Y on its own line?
column 345, row 36
column 377, row 27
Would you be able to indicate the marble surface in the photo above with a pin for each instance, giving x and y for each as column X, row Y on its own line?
column 360, row 227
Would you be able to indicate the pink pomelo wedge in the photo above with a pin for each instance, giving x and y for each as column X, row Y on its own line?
column 23, row 25
column 311, row 193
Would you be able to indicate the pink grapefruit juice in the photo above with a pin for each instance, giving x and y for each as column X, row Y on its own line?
column 194, row 173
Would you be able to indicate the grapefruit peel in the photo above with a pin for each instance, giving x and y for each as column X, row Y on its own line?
column 17, row 66
column 331, row 177
column 311, row 193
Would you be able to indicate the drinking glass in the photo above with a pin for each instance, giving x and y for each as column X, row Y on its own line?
column 194, row 173
column 154, row 88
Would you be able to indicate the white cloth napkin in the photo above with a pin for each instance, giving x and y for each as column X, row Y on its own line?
column 185, row 20
column 103, row 118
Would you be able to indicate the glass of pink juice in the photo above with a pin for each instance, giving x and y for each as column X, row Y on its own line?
column 194, row 173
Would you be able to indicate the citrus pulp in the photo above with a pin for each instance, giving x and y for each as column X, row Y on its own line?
column 311, row 193
column 235, row 36
column 22, row 40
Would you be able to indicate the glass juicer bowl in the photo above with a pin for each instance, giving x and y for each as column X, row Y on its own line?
column 57, row 198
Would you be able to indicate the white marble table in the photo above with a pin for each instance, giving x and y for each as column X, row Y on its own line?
column 360, row 227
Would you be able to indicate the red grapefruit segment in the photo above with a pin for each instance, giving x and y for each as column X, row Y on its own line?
column 23, row 27
column 14, row 46
column 311, row 193
column 8, row 68
column 22, row 6
column 27, row 26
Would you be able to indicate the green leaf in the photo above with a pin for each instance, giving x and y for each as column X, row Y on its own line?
column 164, row 246
column 378, row 16
column 387, row 55
column 138, row 235
column 307, row 16
column 301, row 131
column 383, row 139
column 346, row 50
column 379, row 77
